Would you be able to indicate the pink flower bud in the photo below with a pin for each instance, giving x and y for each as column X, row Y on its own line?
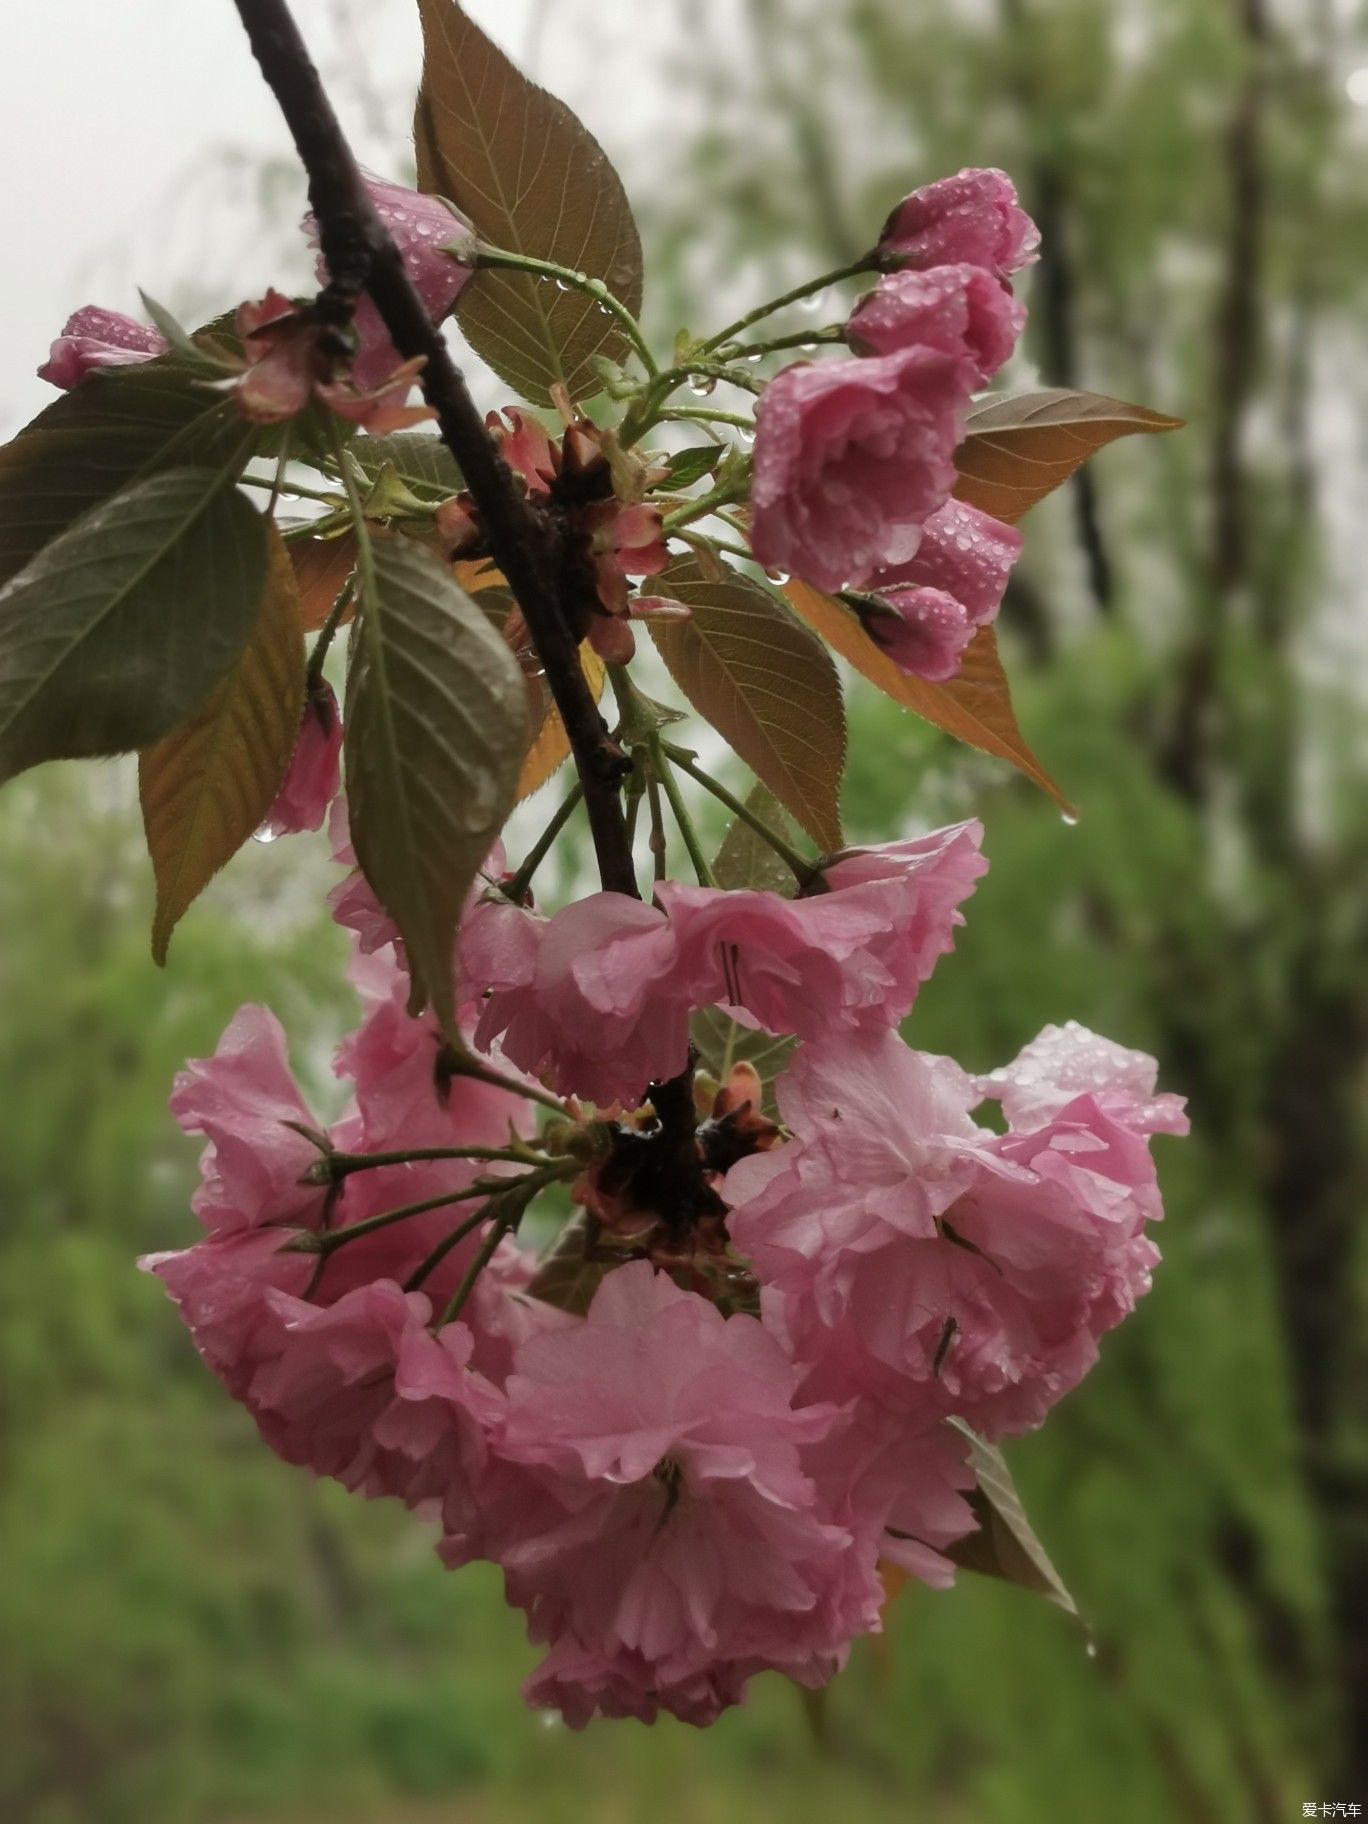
column 959, row 309
column 972, row 217
column 311, row 781
column 94, row 338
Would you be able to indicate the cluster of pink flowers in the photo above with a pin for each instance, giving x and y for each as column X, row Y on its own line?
column 678, row 1499
column 854, row 460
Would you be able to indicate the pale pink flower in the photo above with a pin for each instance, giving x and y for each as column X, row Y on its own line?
column 852, row 458
column 352, row 902
column 849, row 958
column 588, row 998
column 222, row 1287
column 932, row 1261
column 94, row 338
column 973, row 217
column 937, row 602
column 243, row 1101
column 667, row 1529
column 1063, row 1062
column 957, row 309
column 313, row 777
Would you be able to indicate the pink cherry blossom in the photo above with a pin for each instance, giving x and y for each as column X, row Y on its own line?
column 312, row 779
column 852, row 458
column 421, row 227
column 973, row 217
column 667, row 1530
column 1063, row 1062
column 243, row 1100
column 937, row 602
column 852, row 957
column 589, row 998
column 352, row 902
column 958, row 309
column 222, row 1287
column 94, row 338
column 931, row 1261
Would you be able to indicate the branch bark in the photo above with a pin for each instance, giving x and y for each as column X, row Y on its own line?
column 360, row 254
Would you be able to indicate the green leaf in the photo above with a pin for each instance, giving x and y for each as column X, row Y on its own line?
column 565, row 1277
column 91, row 442
column 423, row 463
column 688, row 466
column 745, row 859
column 1019, row 449
column 533, row 180
column 1005, row 1545
column 766, row 684
column 208, row 784
column 435, row 730
column 122, row 626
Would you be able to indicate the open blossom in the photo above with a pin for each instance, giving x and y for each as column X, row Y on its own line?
column 665, row 1530
column 935, row 1262
column 589, row 998
column 954, row 585
column 973, row 217
column 289, row 358
column 852, row 458
column 959, row 309
column 93, row 338
column 312, row 779
column 852, row 957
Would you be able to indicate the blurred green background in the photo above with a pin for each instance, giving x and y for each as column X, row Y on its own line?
column 190, row 1633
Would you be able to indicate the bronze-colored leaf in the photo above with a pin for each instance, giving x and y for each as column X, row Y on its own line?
column 208, row 784
column 533, row 180
column 565, row 1276
column 1019, row 449
column 975, row 707
column 1005, row 1544
column 550, row 746
column 321, row 568
column 765, row 684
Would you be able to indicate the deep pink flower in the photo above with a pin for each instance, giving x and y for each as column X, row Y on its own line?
column 852, row 458
column 589, row 997
column 525, row 445
column 667, row 1530
column 584, row 1682
column 95, row 338
column 313, row 777
column 932, row 1261
column 287, row 360
column 973, row 217
column 957, row 309
column 421, row 227
column 352, row 902
column 937, row 602
column 242, row 1100
column 850, row 958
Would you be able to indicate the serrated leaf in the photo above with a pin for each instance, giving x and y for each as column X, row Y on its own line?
column 745, row 859
column 121, row 627
column 533, row 180
column 975, row 707
column 322, row 567
column 550, row 745
column 1017, row 450
column 434, row 737
column 423, row 463
column 208, row 784
column 686, row 467
column 94, row 440
column 1005, row 1545
column 766, row 684
column 565, row 1276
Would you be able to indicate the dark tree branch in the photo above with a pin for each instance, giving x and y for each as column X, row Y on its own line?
column 360, row 254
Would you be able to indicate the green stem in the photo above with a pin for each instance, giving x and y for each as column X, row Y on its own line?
column 331, row 1239
column 800, row 338
column 706, row 414
column 802, row 868
column 681, row 813
column 326, row 633
column 657, row 842
column 867, row 262
column 342, row 1165
column 517, row 887
column 430, row 1262
column 276, row 486
column 647, row 410
column 499, row 258
column 511, row 1206
column 723, row 496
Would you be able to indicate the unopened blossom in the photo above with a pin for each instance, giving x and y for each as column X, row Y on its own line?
column 925, row 612
column 933, row 1262
column 93, row 338
column 850, row 957
column 852, row 458
column 313, row 777
column 958, row 309
column 588, row 998
column 666, row 1530
column 422, row 227
column 973, row 218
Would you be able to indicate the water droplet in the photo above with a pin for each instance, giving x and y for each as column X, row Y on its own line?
column 756, row 356
column 1069, row 817
column 562, row 284
column 265, row 834
column 702, row 385
column 1091, row 1649
column 778, row 576
column 549, row 1719
column 813, row 305
column 748, row 438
